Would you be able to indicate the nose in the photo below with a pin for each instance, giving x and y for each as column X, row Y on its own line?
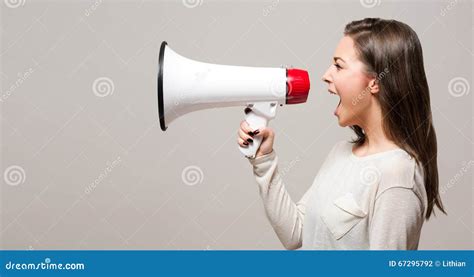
column 327, row 76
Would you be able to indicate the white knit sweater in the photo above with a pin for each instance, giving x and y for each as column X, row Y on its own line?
column 372, row 202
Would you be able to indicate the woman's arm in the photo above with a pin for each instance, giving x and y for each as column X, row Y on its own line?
column 285, row 216
column 397, row 220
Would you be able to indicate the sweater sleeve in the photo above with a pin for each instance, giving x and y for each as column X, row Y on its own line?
column 397, row 220
column 285, row 216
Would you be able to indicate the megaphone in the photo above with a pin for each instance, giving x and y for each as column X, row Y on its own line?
column 186, row 85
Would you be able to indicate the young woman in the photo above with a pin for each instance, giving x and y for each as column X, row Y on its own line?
column 375, row 191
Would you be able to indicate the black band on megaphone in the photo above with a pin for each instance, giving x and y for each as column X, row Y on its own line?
column 161, row 110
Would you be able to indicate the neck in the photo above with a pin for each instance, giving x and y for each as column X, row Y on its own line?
column 376, row 139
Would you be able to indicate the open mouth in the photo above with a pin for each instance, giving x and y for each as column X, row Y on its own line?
column 339, row 104
column 337, row 108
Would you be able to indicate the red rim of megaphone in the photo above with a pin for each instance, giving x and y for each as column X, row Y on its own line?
column 297, row 86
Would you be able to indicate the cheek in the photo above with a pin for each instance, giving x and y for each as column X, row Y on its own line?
column 352, row 87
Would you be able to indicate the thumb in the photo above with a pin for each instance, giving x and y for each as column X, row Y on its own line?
column 267, row 135
column 265, row 132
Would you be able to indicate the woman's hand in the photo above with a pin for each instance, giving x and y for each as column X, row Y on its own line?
column 246, row 135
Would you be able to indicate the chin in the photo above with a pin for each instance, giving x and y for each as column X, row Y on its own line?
column 346, row 119
column 341, row 122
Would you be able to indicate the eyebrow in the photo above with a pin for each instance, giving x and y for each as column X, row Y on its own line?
column 338, row 58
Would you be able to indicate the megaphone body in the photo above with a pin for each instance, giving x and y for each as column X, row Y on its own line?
column 186, row 85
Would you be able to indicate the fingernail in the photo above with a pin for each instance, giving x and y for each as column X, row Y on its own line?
column 250, row 140
column 246, row 143
column 251, row 133
column 256, row 131
column 247, row 110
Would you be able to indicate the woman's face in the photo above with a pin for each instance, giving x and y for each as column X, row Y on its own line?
column 347, row 79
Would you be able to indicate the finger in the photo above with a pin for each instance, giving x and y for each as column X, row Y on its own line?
column 245, row 127
column 242, row 143
column 264, row 132
column 245, row 137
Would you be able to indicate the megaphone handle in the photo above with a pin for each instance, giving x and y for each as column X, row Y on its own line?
column 259, row 117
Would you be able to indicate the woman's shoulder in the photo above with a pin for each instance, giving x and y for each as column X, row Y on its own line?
column 401, row 171
column 398, row 168
column 341, row 147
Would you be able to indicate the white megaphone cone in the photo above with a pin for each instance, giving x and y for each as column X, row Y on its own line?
column 185, row 85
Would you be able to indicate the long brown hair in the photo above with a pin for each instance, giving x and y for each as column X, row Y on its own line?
column 391, row 51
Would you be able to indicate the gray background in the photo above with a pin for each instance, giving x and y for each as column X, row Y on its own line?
column 189, row 187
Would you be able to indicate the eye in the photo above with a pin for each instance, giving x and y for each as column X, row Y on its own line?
column 338, row 67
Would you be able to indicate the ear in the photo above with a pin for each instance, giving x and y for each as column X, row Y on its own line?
column 374, row 86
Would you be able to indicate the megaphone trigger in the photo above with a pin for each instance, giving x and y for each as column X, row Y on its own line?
column 257, row 118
